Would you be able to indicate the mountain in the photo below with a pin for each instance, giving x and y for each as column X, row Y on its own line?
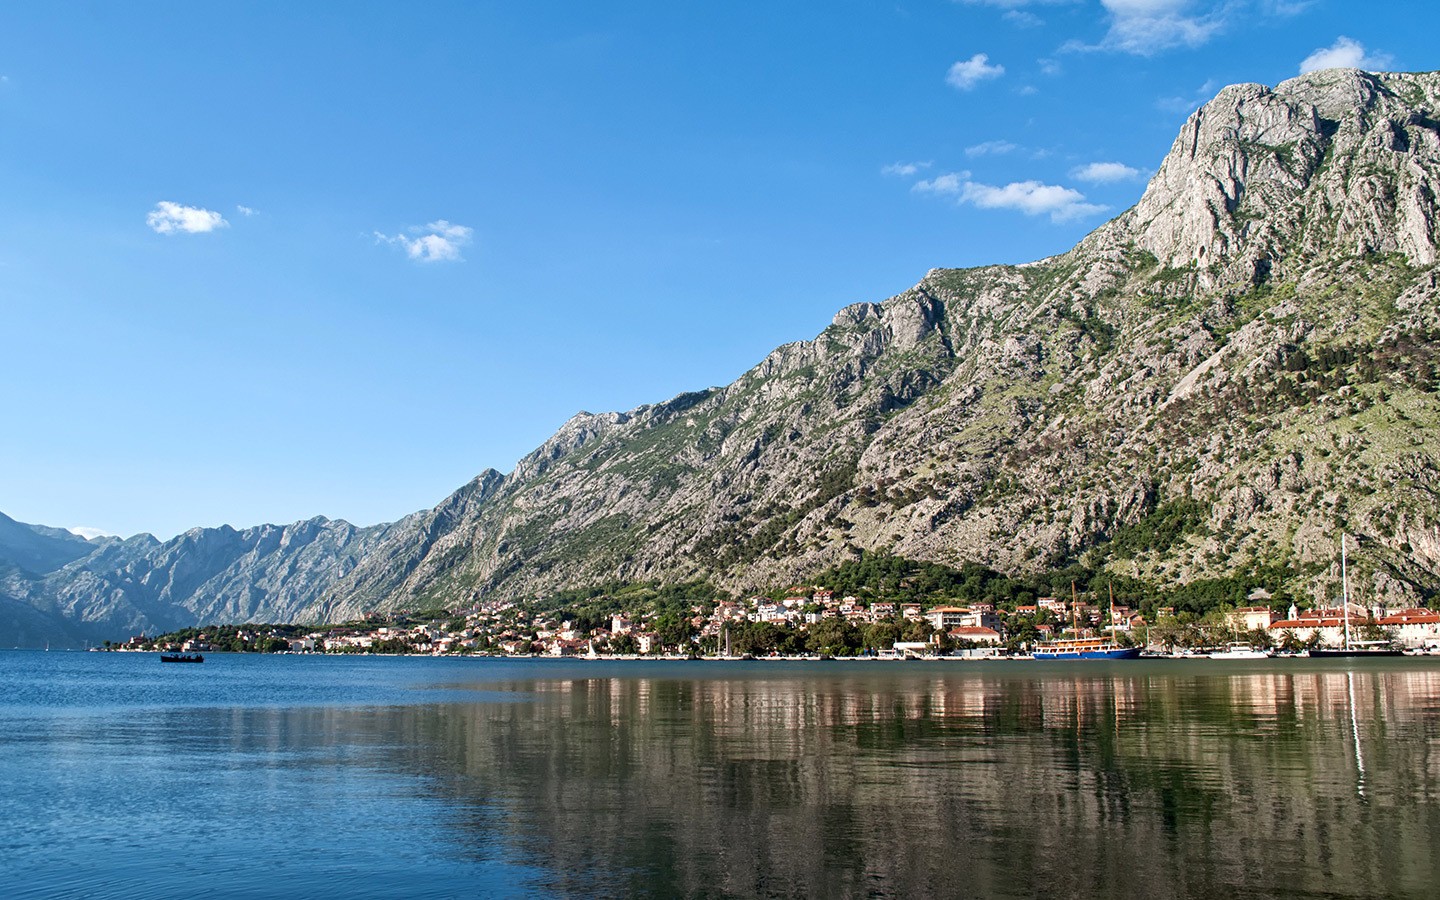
column 1255, row 342
column 123, row 587
column 1211, row 386
column 38, row 548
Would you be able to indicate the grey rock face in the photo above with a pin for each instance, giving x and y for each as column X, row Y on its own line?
column 1338, row 159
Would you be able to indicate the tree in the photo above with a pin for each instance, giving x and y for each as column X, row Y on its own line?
column 835, row 637
column 880, row 636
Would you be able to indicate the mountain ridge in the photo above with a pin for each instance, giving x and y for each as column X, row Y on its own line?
column 1256, row 336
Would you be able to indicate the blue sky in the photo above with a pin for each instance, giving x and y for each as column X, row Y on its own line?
column 264, row 261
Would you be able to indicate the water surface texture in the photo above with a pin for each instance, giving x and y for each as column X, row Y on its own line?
column 297, row 776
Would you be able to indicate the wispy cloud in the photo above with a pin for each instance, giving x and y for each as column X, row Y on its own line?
column 991, row 148
column 439, row 241
column 173, row 218
column 89, row 533
column 967, row 73
column 1191, row 103
column 1033, row 198
column 1285, row 8
column 1345, row 53
column 245, row 210
column 1146, row 27
column 1018, row 4
column 1015, row 11
column 1106, row 172
column 903, row 169
column 949, row 184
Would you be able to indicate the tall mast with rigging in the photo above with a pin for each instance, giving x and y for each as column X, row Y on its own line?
column 1345, row 589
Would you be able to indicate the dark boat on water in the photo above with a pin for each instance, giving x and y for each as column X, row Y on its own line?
column 182, row 657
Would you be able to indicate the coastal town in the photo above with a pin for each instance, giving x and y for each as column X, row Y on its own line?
column 812, row 622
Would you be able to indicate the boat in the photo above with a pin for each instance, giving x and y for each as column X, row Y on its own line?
column 1359, row 648
column 1353, row 648
column 1084, row 648
column 1239, row 650
column 182, row 657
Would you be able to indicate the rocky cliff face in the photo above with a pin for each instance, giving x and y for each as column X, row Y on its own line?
column 1257, row 342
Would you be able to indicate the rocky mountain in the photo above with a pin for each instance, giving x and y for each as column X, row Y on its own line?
column 1210, row 386
column 1256, row 338
column 122, row 587
column 38, row 548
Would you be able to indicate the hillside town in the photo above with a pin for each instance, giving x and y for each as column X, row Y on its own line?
column 811, row 621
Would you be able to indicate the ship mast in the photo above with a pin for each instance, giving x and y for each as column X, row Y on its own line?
column 1111, row 586
column 1074, row 611
column 1345, row 589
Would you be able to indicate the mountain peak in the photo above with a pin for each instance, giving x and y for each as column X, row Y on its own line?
column 1335, row 159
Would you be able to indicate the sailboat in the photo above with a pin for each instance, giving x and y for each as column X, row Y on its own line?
column 1353, row 648
column 1085, row 647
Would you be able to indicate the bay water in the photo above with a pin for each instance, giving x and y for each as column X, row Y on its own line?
column 278, row 776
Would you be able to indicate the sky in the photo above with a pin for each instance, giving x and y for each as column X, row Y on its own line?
column 264, row 261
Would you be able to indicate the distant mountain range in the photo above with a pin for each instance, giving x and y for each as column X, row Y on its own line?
column 1236, row 369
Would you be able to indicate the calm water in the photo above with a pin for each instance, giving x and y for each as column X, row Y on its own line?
column 296, row 776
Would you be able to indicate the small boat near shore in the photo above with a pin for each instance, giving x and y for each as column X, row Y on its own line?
column 1239, row 651
column 181, row 658
column 1360, row 649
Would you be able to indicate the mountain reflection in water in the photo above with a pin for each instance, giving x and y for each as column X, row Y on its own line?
column 1178, row 782
column 1200, row 779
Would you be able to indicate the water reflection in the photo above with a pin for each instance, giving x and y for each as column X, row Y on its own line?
column 1175, row 782
column 836, row 780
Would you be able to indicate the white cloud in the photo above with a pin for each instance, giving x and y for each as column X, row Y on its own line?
column 1016, row 4
column 1344, row 53
column 1191, row 103
column 1106, row 172
column 965, row 74
column 991, row 148
column 439, row 241
column 171, row 218
column 1145, row 27
column 903, row 169
column 90, row 534
column 1285, row 8
column 1031, row 198
column 245, row 210
column 951, row 184
column 1049, row 66
column 1022, row 19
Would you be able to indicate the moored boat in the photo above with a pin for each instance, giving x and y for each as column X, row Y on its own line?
column 1239, row 651
column 1359, row 649
column 182, row 658
column 1085, row 648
